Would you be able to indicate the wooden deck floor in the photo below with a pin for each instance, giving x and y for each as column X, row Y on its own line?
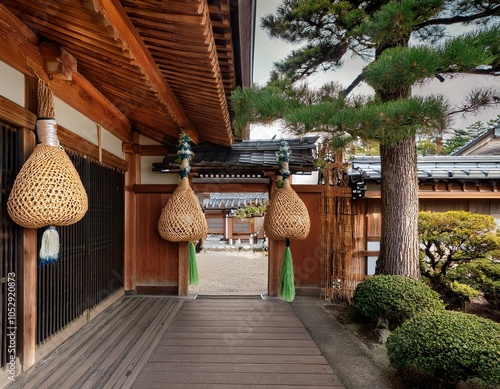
column 148, row 343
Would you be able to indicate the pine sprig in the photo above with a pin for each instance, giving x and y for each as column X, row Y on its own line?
column 283, row 157
column 185, row 154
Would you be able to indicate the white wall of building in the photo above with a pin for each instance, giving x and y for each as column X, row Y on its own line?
column 11, row 84
column 12, row 88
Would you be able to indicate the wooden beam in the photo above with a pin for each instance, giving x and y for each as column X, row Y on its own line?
column 155, row 135
column 83, row 146
column 15, row 114
column 28, row 269
column 17, row 49
column 231, row 188
column 19, row 116
column 58, row 62
column 132, row 177
column 85, row 98
column 159, row 188
column 374, row 194
column 116, row 16
column 145, row 150
column 183, row 269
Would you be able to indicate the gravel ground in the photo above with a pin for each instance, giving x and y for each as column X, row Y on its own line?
column 231, row 272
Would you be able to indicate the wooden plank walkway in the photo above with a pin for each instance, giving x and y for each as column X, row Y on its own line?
column 155, row 342
column 109, row 352
column 236, row 343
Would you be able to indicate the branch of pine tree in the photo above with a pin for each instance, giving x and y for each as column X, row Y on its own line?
column 460, row 18
column 353, row 84
column 477, row 100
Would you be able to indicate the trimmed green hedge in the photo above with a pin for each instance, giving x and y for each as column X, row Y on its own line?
column 452, row 345
column 395, row 298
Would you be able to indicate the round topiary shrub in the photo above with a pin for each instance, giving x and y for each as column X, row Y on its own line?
column 450, row 345
column 395, row 298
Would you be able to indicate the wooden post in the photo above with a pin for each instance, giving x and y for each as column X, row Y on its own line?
column 183, row 269
column 276, row 252
column 28, row 285
column 229, row 226
column 28, row 265
column 132, row 177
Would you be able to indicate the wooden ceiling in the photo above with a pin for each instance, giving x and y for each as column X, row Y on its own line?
column 167, row 66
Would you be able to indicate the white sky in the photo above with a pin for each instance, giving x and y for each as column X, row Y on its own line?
column 269, row 50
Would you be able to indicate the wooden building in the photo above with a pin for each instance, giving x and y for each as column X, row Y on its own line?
column 128, row 77
column 237, row 176
column 353, row 208
column 487, row 143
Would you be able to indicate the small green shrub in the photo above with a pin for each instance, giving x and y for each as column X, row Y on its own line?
column 480, row 274
column 461, row 294
column 463, row 290
column 452, row 345
column 395, row 298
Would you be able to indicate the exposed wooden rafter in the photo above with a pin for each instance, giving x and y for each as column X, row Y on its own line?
column 18, row 49
column 131, row 41
column 165, row 66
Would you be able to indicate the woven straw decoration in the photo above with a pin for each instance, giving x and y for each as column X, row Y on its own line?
column 182, row 219
column 47, row 190
column 286, row 215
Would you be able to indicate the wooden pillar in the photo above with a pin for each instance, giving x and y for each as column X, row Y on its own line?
column 132, row 177
column 183, row 269
column 276, row 252
column 27, row 269
column 28, row 281
column 229, row 227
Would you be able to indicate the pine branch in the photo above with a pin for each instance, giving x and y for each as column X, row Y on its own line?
column 353, row 84
column 477, row 100
column 495, row 11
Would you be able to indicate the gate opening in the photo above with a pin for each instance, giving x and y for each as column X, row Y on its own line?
column 233, row 259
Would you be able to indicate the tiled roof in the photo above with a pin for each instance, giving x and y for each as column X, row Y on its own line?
column 234, row 200
column 487, row 143
column 437, row 168
column 246, row 155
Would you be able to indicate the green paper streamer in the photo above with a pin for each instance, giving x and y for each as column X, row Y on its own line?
column 287, row 287
column 192, row 265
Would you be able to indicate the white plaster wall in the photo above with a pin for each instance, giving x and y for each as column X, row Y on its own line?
column 306, row 179
column 12, row 87
column 149, row 177
column 11, row 84
column 74, row 121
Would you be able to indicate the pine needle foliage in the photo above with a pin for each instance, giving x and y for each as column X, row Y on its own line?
column 404, row 42
column 402, row 67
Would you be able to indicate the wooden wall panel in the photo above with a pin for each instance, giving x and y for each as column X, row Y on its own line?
column 485, row 206
column 373, row 220
column 157, row 259
column 443, row 205
column 307, row 253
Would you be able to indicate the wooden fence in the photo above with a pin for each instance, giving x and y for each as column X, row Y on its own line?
column 90, row 266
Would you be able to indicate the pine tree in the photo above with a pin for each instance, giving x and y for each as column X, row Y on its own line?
column 380, row 32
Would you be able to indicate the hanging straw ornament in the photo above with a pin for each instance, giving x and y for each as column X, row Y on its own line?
column 286, row 218
column 48, row 190
column 182, row 219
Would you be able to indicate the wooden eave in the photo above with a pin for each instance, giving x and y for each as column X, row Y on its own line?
column 161, row 67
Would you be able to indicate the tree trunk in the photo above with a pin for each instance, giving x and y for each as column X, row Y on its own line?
column 399, row 243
